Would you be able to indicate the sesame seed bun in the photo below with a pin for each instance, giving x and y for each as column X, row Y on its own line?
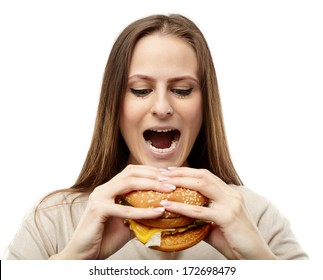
column 146, row 199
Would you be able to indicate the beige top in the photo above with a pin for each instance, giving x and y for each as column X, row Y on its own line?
column 57, row 218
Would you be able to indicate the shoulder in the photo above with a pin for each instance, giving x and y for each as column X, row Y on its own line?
column 50, row 209
column 247, row 192
column 48, row 226
column 272, row 224
column 61, row 204
column 62, row 199
column 262, row 210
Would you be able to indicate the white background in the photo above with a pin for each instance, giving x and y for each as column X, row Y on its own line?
column 268, row 57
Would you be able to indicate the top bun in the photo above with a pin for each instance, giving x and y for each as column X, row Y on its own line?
column 152, row 199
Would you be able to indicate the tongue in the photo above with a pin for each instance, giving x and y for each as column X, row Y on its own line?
column 160, row 140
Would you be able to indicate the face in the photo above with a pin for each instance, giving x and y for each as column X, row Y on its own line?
column 162, row 107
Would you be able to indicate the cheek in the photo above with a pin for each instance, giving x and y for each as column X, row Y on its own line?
column 126, row 120
column 193, row 115
column 128, row 112
column 131, row 117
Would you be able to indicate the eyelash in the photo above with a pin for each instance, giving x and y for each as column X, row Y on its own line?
column 140, row 92
column 182, row 92
column 144, row 92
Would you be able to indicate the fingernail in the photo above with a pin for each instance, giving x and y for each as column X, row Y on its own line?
column 165, row 202
column 171, row 167
column 163, row 171
column 169, row 186
column 159, row 209
column 163, row 178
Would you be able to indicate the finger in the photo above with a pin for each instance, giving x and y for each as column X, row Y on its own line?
column 138, row 171
column 136, row 177
column 221, row 214
column 129, row 212
column 192, row 211
column 200, row 180
column 140, row 184
column 142, row 171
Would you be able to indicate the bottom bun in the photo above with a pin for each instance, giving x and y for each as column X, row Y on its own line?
column 182, row 240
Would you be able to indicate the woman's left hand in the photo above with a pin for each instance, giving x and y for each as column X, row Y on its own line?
column 233, row 232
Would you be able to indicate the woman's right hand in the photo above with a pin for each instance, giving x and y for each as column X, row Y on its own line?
column 101, row 230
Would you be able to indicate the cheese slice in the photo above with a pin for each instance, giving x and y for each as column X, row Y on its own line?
column 144, row 233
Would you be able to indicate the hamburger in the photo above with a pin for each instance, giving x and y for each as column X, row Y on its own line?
column 170, row 232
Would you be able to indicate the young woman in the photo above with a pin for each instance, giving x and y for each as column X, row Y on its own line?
column 159, row 125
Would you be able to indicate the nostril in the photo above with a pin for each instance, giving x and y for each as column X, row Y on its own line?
column 170, row 111
column 162, row 108
column 163, row 113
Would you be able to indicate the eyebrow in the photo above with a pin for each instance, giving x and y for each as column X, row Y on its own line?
column 185, row 77
column 141, row 77
column 171, row 80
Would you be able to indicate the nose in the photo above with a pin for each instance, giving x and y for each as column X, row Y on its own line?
column 162, row 107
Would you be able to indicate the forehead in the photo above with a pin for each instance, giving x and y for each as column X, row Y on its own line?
column 158, row 52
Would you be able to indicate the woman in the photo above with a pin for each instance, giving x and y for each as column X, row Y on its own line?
column 159, row 125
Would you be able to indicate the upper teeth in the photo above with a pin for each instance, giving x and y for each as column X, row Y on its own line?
column 161, row 130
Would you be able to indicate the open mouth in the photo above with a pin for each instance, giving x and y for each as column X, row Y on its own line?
column 162, row 141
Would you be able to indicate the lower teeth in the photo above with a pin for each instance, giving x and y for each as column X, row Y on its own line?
column 166, row 150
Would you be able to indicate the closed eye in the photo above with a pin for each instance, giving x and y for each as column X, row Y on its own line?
column 182, row 92
column 140, row 92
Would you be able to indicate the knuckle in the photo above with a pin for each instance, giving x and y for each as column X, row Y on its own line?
column 198, row 212
column 130, row 169
column 95, row 207
column 203, row 177
column 129, row 181
column 130, row 184
column 127, row 212
column 236, row 205
column 232, row 209
column 238, row 197
column 204, row 172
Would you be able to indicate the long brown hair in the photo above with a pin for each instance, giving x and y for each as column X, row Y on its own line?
column 108, row 153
